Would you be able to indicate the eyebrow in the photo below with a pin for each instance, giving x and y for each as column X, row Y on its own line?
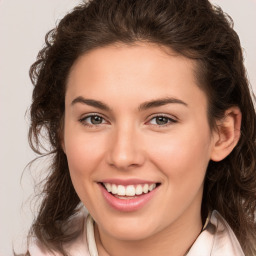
column 144, row 106
column 91, row 102
column 160, row 102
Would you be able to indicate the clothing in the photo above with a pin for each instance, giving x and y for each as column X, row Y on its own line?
column 216, row 239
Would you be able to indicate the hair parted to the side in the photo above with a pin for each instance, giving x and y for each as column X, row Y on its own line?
column 193, row 28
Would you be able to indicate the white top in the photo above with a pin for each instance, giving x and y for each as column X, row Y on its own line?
column 216, row 239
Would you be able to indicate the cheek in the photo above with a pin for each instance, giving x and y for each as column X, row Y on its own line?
column 182, row 155
column 182, row 158
column 84, row 154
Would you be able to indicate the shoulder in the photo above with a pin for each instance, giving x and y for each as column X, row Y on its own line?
column 217, row 239
column 78, row 246
column 36, row 248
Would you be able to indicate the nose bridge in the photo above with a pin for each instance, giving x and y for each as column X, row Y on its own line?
column 125, row 149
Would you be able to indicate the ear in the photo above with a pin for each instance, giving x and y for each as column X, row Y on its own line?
column 227, row 134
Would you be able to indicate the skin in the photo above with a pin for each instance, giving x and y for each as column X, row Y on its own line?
column 129, row 143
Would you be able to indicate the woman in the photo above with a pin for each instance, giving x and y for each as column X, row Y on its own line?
column 151, row 124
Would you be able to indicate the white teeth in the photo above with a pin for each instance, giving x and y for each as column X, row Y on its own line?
column 113, row 189
column 108, row 187
column 145, row 188
column 139, row 190
column 121, row 190
column 152, row 186
column 130, row 190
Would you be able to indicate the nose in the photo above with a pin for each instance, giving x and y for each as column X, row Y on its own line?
column 125, row 149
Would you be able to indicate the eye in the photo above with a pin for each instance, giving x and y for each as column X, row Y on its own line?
column 93, row 120
column 162, row 120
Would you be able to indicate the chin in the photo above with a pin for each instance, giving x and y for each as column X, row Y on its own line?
column 131, row 229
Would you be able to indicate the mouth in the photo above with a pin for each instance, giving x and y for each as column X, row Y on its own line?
column 130, row 191
column 129, row 195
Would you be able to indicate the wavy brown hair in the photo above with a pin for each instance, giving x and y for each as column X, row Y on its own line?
column 192, row 28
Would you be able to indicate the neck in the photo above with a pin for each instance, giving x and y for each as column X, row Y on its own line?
column 174, row 240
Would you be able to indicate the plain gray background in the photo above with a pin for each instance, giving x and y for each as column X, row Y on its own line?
column 23, row 25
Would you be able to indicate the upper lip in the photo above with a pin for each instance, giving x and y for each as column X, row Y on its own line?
column 127, row 181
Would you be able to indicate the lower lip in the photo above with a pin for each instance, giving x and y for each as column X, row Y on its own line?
column 127, row 205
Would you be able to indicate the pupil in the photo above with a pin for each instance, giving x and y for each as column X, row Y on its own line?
column 96, row 120
column 161, row 120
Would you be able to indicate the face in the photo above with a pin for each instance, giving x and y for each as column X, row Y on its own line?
column 137, row 139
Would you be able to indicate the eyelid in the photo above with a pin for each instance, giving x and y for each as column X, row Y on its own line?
column 82, row 119
column 172, row 119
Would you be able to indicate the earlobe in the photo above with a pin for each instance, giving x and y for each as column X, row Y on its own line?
column 227, row 134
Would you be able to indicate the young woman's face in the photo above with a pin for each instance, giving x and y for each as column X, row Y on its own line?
column 136, row 125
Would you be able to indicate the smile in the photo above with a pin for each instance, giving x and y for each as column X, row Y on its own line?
column 128, row 197
column 130, row 190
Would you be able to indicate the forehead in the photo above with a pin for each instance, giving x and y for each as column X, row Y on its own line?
column 151, row 53
column 125, row 57
column 125, row 70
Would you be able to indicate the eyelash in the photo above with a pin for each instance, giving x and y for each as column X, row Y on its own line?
column 169, row 119
column 83, row 122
